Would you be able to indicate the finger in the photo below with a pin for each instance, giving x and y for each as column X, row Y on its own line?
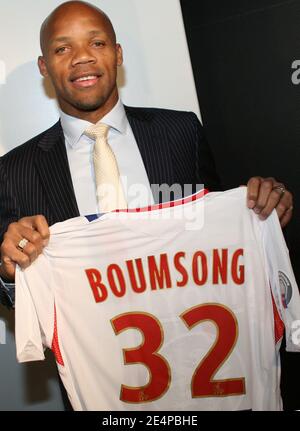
column 31, row 251
column 39, row 224
column 11, row 255
column 34, row 239
column 264, row 194
column 253, row 191
column 16, row 232
column 285, row 204
column 8, row 270
column 11, row 252
column 36, row 231
column 282, row 204
column 286, row 217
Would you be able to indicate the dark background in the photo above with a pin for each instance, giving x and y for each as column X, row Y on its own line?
column 242, row 53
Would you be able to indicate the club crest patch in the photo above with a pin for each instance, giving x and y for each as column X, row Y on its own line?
column 285, row 288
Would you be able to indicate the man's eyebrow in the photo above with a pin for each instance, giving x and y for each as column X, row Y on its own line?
column 95, row 32
column 60, row 39
column 67, row 39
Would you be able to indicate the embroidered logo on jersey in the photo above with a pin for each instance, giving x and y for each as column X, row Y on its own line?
column 286, row 288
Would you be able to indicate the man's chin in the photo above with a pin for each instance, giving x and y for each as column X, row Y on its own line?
column 88, row 106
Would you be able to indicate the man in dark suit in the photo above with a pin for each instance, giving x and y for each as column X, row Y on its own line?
column 50, row 178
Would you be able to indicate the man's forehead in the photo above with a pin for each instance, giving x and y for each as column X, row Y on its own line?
column 58, row 22
column 63, row 21
column 76, row 8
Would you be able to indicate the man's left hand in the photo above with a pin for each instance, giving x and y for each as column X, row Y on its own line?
column 265, row 194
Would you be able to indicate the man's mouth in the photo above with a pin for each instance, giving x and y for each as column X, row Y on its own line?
column 85, row 81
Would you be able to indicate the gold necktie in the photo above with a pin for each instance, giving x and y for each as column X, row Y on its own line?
column 110, row 195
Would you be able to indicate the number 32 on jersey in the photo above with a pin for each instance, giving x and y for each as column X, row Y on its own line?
column 203, row 383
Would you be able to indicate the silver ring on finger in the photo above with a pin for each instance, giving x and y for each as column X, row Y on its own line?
column 22, row 244
column 280, row 189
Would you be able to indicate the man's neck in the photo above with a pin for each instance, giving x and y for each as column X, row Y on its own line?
column 91, row 116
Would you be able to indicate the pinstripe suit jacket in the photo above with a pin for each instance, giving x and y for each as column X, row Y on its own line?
column 35, row 177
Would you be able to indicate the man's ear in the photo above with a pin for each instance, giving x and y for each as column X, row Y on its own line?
column 119, row 54
column 42, row 66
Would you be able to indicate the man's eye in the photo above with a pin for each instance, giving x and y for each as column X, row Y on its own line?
column 98, row 43
column 60, row 50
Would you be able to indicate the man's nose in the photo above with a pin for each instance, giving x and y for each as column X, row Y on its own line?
column 82, row 56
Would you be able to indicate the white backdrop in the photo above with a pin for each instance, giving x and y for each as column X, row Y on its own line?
column 156, row 72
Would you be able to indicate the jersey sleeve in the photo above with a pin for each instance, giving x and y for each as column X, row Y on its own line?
column 283, row 284
column 34, row 311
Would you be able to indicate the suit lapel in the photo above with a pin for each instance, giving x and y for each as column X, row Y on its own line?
column 154, row 146
column 53, row 167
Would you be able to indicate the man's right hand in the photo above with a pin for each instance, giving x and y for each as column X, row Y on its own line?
column 36, row 231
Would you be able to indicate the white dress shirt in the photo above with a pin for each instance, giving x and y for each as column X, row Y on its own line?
column 80, row 149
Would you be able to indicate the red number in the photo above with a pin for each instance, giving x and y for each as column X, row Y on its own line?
column 203, row 384
column 146, row 354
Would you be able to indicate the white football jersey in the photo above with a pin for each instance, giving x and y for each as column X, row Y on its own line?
column 175, row 307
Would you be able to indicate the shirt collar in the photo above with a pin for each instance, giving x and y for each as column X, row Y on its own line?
column 74, row 128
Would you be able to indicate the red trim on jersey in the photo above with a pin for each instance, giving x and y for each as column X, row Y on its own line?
column 55, row 344
column 278, row 323
column 170, row 204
